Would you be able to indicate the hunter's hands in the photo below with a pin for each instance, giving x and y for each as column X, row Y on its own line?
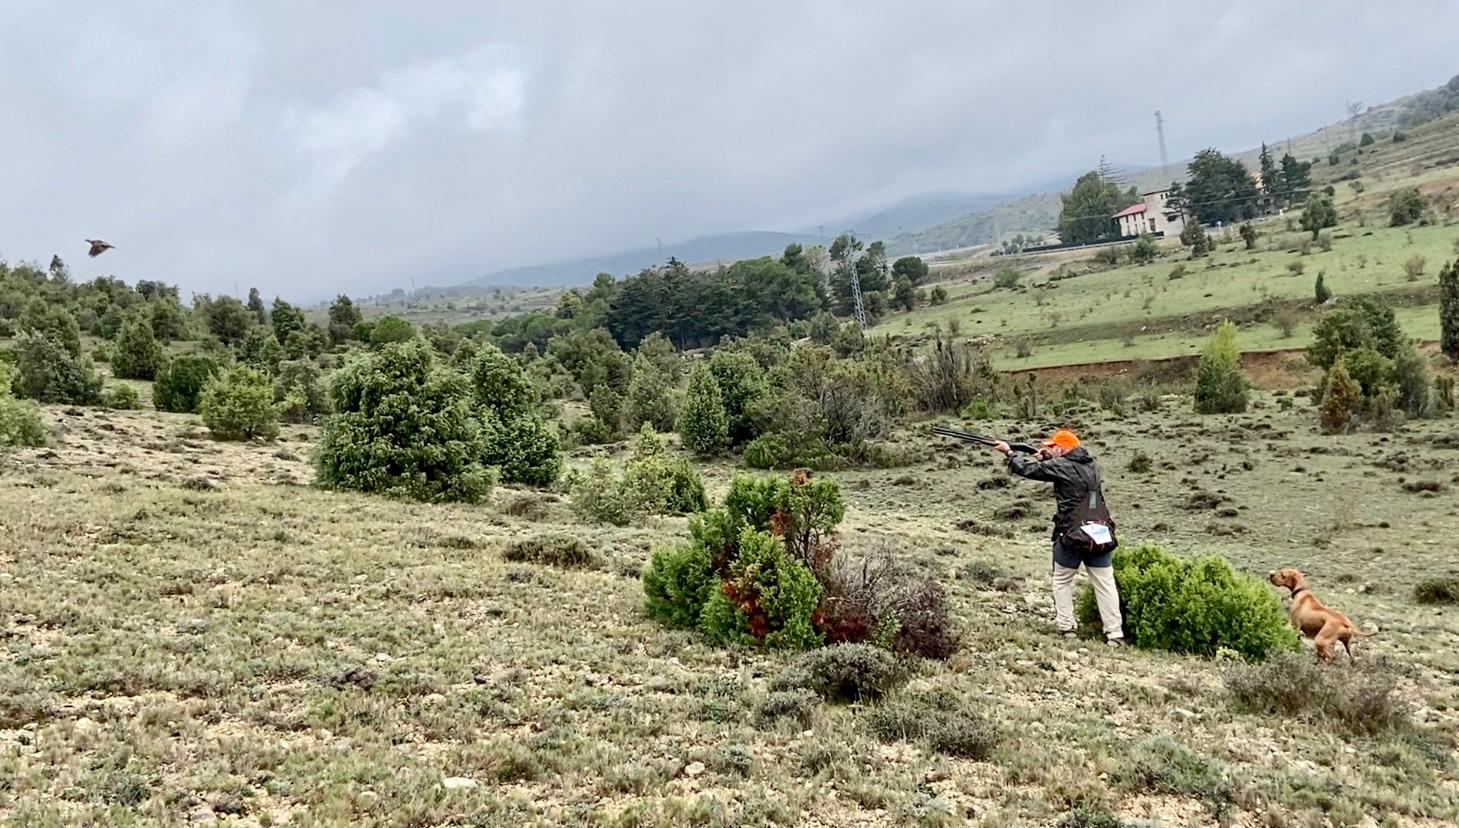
column 1002, row 448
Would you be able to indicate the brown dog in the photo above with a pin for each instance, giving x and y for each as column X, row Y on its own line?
column 1320, row 623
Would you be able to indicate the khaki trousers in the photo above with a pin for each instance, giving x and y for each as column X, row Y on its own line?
column 1105, row 595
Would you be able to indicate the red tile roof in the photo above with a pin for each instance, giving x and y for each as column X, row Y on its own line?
column 1133, row 209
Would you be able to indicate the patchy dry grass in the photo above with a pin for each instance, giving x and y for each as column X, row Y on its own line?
column 259, row 651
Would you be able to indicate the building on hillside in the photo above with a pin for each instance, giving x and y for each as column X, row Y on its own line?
column 1148, row 216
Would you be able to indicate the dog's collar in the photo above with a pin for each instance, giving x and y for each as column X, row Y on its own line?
column 1297, row 590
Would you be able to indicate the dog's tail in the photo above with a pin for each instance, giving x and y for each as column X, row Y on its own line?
column 1364, row 633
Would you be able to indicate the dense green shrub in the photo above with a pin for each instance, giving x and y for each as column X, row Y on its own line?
column 742, row 387
column 306, row 343
column 51, row 373
column 53, row 321
column 20, row 420
column 239, row 405
column 261, row 350
column 389, row 329
column 1143, row 251
column 1197, row 606
column 1361, row 698
column 797, row 705
column 180, row 383
column 650, row 396
column 772, row 450
column 1406, row 207
column 1342, row 402
column 403, row 426
column 138, row 354
column 122, row 397
column 298, row 393
column 703, row 423
column 1221, row 387
column 551, row 549
column 525, row 450
column 678, row 583
column 843, row 673
column 766, row 597
column 1007, row 278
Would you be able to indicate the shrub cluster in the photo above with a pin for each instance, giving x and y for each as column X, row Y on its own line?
column 516, row 441
column 137, row 354
column 1374, row 373
column 50, row 372
column 239, row 405
column 843, row 673
column 403, row 426
column 180, row 382
column 651, row 483
column 122, row 397
column 764, row 568
column 1437, row 591
column 20, row 420
column 1198, row 606
column 1221, row 388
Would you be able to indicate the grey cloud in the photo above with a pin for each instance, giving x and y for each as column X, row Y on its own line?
column 310, row 148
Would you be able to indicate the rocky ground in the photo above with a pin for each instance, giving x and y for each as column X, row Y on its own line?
column 190, row 633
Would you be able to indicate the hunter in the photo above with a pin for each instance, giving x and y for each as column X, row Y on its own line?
column 1083, row 530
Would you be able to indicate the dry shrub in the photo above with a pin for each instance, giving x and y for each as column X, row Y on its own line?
column 1358, row 697
column 552, row 550
column 1437, row 591
column 939, row 719
column 843, row 672
column 878, row 599
column 527, row 505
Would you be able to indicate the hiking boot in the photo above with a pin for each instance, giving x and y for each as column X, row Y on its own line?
column 1115, row 642
column 1069, row 635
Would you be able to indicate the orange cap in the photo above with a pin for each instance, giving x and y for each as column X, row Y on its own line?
column 1064, row 439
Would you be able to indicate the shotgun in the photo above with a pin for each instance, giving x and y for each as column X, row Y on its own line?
column 944, row 431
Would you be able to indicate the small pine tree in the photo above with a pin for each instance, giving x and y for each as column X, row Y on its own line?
column 702, row 421
column 650, row 396
column 1320, row 291
column 1194, row 236
column 256, row 308
column 1342, row 401
column 138, row 355
column 1449, row 310
column 1221, row 388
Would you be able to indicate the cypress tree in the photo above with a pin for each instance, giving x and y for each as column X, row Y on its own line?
column 702, row 422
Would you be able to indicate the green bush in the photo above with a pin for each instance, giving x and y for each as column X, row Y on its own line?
column 650, row 396
column 742, row 387
column 843, row 673
column 678, row 583
column 797, row 705
column 1342, row 402
column 1406, row 207
column 180, row 382
column 1196, row 606
column 772, row 450
column 1161, row 765
column 662, row 484
column 1007, row 278
column 121, row 397
column 20, row 420
column 403, row 426
column 766, row 597
column 51, row 373
column 525, row 450
column 599, row 495
column 239, row 405
column 938, row 295
column 138, row 354
column 298, row 393
column 1143, row 251
column 1090, row 817
column 54, row 321
column 390, row 329
column 1221, row 388
column 702, row 421
column 552, row 549
column 1361, row 698
column 261, row 350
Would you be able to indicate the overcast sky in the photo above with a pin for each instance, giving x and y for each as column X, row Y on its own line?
column 308, row 148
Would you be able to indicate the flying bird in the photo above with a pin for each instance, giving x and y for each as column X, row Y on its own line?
column 98, row 247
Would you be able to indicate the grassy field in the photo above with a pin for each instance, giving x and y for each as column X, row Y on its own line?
column 1068, row 310
column 193, row 634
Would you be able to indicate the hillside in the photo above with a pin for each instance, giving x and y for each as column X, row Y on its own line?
column 1034, row 214
column 727, row 247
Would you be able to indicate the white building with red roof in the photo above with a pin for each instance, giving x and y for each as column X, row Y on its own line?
column 1148, row 216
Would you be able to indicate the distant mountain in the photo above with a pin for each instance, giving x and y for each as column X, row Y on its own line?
column 726, row 247
column 1031, row 215
column 912, row 214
